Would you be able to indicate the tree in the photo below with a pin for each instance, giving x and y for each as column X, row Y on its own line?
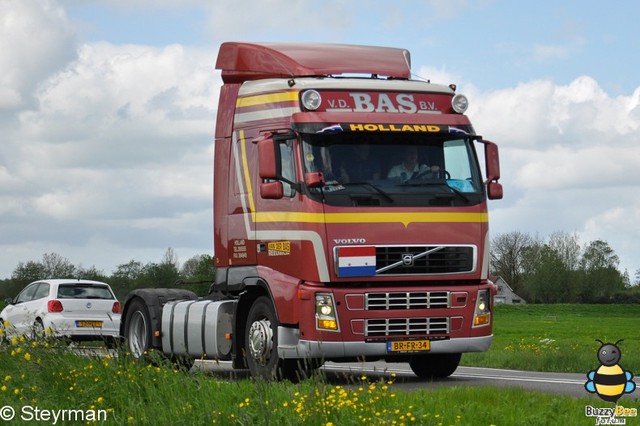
column 509, row 257
column 125, row 277
column 199, row 273
column 601, row 276
column 28, row 272
column 547, row 283
column 57, row 266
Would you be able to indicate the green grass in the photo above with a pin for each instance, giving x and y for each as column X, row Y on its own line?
column 50, row 377
column 560, row 338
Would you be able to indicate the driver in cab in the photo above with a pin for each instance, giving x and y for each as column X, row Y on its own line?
column 409, row 168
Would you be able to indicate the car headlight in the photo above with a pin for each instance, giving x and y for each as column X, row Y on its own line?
column 482, row 314
column 326, row 317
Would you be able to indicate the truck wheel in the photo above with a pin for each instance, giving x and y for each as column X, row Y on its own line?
column 261, row 337
column 434, row 366
column 138, row 329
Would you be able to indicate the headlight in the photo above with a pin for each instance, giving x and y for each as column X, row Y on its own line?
column 482, row 314
column 460, row 103
column 311, row 100
column 326, row 318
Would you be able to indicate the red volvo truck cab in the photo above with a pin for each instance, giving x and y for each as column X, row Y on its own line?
column 350, row 219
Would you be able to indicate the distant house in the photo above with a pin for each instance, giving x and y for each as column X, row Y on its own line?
column 505, row 293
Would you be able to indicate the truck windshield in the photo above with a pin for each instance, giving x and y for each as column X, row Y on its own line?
column 382, row 169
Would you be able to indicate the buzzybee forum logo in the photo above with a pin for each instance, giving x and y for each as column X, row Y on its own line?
column 610, row 381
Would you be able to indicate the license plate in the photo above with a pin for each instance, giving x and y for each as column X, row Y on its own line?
column 89, row 324
column 408, row 346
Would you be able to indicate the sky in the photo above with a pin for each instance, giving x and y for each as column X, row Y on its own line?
column 108, row 108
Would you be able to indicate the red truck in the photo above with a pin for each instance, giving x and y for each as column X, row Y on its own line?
column 350, row 220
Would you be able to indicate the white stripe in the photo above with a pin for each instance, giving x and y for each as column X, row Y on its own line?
column 344, row 262
column 265, row 114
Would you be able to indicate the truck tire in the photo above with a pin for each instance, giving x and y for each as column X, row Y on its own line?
column 261, row 337
column 137, row 330
column 434, row 366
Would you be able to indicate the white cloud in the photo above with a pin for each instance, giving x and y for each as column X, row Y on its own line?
column 116, row 149
column 569, row 158
column 36, row 39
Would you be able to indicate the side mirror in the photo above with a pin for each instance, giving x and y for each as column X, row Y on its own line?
column 271, row 190
column 492, row 165
column 268, row 166
column 492, row 159
column 494, row 190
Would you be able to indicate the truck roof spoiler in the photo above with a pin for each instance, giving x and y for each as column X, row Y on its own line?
column 240, row 62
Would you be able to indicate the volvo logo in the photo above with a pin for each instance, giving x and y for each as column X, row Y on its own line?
column 407, row 259
column 349, row 241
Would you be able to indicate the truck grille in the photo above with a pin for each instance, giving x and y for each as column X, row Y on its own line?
column 406, row 326
column 407, row 300
column 404, row 260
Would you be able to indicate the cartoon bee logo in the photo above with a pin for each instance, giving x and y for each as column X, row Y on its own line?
column 609, row 381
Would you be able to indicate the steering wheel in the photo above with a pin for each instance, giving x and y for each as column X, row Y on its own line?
column 441, row 173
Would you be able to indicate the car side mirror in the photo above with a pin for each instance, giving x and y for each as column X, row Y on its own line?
column 494, row 190
column 271, row 190
column 268, row 166
column 492, row 165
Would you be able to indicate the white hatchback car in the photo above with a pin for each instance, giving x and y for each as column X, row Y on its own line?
column 77, row 309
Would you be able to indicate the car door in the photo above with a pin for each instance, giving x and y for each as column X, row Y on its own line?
column 20, row 311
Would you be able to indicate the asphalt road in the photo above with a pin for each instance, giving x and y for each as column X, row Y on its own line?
column 571, row 384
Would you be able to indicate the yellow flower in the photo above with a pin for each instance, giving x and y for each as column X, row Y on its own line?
column 3, row 388
column 27, row 356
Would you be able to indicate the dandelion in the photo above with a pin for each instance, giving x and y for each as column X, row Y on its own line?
column 3, row 388
column 27, row 356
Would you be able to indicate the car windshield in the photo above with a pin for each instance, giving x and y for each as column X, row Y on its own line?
column 84, row 291
column 387, row 169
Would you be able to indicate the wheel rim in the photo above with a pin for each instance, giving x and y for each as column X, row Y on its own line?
column 261, row 341
column 137, row 334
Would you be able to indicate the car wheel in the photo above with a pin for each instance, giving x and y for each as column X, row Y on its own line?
column 261, row 338
column 138, row 329
column 37, row 330
column 434, row 366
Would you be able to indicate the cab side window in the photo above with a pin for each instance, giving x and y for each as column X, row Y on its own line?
column 27, row 294
column 288, row 171
column 41, row 291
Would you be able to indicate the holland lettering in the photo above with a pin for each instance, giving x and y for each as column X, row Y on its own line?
column 394, row 128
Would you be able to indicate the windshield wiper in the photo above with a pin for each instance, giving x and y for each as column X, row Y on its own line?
column 372, row 186
column 453, row 190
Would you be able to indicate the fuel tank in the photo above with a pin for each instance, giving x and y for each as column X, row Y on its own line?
column 198, row 328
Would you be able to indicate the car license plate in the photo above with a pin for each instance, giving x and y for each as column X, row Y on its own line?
column 408, row 345
column 89, row 324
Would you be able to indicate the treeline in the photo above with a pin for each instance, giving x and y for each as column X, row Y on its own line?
column 196, row 274
column 560, row 270
column 557, row 270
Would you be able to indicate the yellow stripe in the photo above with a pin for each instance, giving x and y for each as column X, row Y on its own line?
column 398, row 217
column 267, row 99
column 247, row 177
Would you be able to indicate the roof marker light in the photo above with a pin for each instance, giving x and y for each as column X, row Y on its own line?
column 460, row 103
column 311, row 100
